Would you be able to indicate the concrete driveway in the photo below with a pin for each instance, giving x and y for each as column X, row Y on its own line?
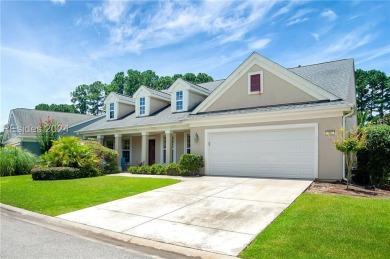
column 216, row 214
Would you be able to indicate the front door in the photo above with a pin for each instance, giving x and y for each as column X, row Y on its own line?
column 152, row 151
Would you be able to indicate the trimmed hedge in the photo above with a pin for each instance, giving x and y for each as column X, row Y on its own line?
column 373, row 161
column 60, row 173
column 189, row 164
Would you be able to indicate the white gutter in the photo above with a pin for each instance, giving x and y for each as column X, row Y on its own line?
column 344, row 118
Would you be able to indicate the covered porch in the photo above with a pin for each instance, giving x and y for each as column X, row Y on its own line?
column 148, row 147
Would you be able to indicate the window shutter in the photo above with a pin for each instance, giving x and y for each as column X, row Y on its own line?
column 255, row 83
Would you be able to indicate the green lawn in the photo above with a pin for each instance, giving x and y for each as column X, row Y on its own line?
column 326, row 226
column 58, row 197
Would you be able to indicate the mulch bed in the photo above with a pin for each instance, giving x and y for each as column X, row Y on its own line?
column 341, row 189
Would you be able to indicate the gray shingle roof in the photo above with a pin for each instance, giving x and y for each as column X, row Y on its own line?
column 286, row 107
column 211, row 86
column 158, row 93
column 333, row 76
column 162, row 117
column 27, row 118
column 199, row 87
column 124, row 97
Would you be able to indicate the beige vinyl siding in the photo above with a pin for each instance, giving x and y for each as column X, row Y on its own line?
column 329, row 159
column 275, row 91
column 124, row 109
column 194, row 99
column 156, row 104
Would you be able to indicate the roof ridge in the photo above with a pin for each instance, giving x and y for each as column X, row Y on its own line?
column 321, row 63
column 73, row 113
column 208, row 91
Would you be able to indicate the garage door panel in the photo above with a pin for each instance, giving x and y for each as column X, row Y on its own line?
column 263, row 153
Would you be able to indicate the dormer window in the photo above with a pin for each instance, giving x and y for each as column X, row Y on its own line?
column 142, row 106
column 179, row 100
column 255, row 82
column 112, row 110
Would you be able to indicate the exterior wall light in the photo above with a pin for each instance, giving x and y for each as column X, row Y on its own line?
column 196, row 137
column 330, row 133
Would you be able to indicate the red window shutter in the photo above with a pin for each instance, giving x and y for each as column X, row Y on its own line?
column 255, row 83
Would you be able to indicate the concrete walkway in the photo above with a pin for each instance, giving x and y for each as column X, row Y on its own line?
column 216, row 214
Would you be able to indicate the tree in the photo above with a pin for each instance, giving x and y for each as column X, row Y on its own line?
column 47, row 132
column 79, row 98
column 176, row 76
column 372, row 92
column 203, row 78
column 117, row 84
column 95, row 97
column 164, row 82
column 190, row 77
column 132, row 81
column 349, row 143
column 57, row 107
column 149, row 78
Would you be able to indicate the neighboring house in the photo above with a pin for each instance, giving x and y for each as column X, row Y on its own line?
column 262, row 121
column 23, row 123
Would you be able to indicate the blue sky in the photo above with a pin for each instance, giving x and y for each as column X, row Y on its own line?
column 50, row 47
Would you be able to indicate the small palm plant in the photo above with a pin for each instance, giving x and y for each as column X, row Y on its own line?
column 349, row 142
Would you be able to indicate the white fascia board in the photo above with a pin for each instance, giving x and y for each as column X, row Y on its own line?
column 151, row 128
column 272, row 67
column 272, row 116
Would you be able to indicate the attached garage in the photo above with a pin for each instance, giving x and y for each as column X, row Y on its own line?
column 284, row 151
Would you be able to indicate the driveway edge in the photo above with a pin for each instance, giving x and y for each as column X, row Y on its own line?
column 124, row 241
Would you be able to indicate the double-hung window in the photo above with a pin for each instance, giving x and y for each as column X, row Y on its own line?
column 142, row 106
column 112, row 111
column 126, row 150
column 179, row 100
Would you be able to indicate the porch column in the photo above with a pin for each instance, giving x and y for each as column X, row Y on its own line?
column 145, row 148
column 168, row 138
column 100, row 138
column 118, row 148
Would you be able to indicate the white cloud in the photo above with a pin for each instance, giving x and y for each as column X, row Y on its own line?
column 316, row 36
column 59, row 2
column 173, row 22
column 329, row 14
column 299, row 16
column 259, row 44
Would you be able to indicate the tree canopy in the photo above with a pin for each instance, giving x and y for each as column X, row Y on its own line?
column 88, row 99
column 57, row 107
column 372, row 92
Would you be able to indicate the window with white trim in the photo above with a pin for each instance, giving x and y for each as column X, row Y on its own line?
column 142, row 106
column 126, row 150
column 110, row 144
column 179, row 100
column 164, row 148
column 187, row 143
column 112, row 110
column 255, row 82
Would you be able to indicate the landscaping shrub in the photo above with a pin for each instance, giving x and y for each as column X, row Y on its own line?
column 160, row 169
column 16, row 161
column 191, row 163
column 59, row 173
column 108, row 158
column 71, row 152
column 374, row 159
column 87, row 155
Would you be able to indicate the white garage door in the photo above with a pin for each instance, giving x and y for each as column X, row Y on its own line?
column 288, row 152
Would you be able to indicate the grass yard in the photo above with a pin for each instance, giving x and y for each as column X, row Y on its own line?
column 57, row 197
column 326, row 226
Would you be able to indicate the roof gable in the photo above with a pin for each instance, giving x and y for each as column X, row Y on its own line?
column 146, row 91
column 279, row 71
column 115, row 97
column 183, row 84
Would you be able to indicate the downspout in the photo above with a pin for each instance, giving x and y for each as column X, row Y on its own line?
column 344, row 119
